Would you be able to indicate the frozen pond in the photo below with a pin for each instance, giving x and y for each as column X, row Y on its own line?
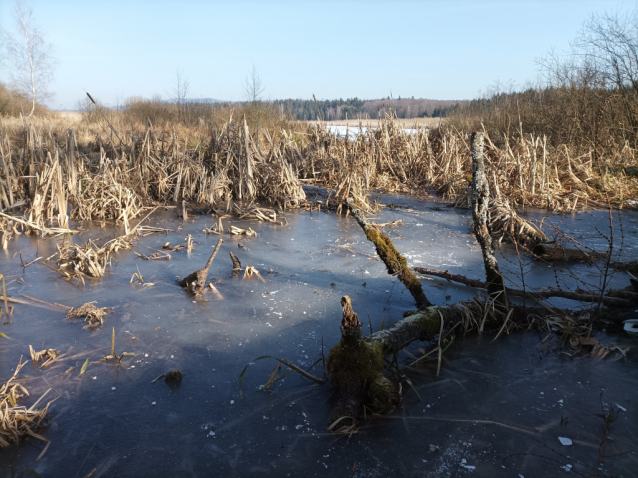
column 354, row 131
column 498, row 413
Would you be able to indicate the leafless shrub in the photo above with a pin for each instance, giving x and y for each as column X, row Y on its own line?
column 587, row 99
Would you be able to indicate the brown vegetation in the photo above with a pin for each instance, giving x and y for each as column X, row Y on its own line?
column 92, row 315
column 13, row 103
column 524, row 169
column 49, row 165
column 111, row 164
column 18, row 422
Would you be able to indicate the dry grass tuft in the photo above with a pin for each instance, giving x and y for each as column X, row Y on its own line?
column 238, row 231
column 18, row 422
column 250, row 273
column 88, row 259
column 92, row 314
column 50, row 355
column 507, row 224
column 102, row 197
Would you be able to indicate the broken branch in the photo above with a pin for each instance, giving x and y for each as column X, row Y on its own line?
column 200, row 275
column 538, row 294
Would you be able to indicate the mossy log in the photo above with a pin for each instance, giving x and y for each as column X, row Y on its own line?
column 557, row 253
column 356, row 369
column 355, row 364
column 629, row 294
column 199, row 276
column 393, row 260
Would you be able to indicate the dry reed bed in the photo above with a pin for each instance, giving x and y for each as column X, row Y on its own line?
column 87, row 167
column 104, row 181
column 525, row 170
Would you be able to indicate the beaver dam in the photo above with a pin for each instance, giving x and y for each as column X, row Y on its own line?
column 221, row 301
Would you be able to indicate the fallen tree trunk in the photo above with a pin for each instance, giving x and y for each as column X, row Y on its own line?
column 545, row 293
column 236, row 265
column 630, row 293
column 393, row 260
column 631, row 266
column 356, row 363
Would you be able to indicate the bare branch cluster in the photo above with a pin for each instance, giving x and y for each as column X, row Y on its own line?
column 587, row 97
column 181, row 89
column 253, row 86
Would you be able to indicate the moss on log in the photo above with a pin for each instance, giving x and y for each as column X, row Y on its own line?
column 355, row 364
column 350, row 364
column 356, row 370
column 393, row 260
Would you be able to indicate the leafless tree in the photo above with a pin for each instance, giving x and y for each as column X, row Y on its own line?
column 180, row 91
column 253, row 86
column 608, row 44
column 604, row 61
column 608, row 49
column 29, row 56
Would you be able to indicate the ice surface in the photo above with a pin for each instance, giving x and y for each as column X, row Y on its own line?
column 487, row 411
column 354, row 131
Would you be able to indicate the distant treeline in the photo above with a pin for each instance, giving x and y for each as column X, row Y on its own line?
column 354, row 108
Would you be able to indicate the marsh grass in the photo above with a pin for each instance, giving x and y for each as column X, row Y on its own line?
column 61, row 168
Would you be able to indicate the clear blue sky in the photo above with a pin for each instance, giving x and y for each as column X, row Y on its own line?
column 445, row 49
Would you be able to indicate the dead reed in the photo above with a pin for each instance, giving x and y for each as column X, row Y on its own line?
column 93, row 315
column 16, row 421
column 89, row 259
column 505, row 224
column 85, row 173
column 525, row 171
column 50, row 355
